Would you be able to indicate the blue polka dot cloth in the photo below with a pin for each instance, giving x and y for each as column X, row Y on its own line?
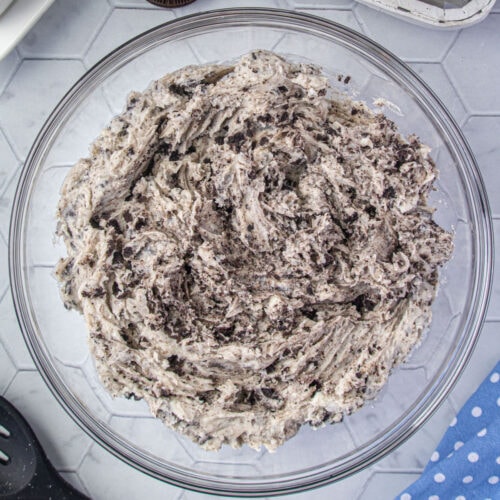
column 466, row 464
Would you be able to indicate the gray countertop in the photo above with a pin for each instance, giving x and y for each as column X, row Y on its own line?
column 461, row 66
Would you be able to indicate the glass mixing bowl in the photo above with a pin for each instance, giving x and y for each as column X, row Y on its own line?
column 57, row 337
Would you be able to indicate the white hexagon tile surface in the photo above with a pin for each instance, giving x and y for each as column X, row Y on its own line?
column 462, row 67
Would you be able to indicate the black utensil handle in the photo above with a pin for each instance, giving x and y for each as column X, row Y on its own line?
column 48, row 484
column 40, row 479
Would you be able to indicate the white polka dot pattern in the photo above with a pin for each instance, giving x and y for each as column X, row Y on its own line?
column 439, row 477
column 465, row 464
column 476, row 411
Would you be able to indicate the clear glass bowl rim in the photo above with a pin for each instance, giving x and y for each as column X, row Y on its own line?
column 404, row 76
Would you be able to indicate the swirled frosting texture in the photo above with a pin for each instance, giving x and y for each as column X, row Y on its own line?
column 250, row 254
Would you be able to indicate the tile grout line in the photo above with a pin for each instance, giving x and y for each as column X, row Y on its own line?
column 3, row 238
column 94, row 38
column 10, row 181
column 16, row 69
column 302, row 6
column 19, row 371
column 405, row 470
column 461, row 96
column 3, row 293
column 80, row 482
column 410, row 60
column 485, row 114
column 2, row 133
column 14, row 152
column 96, row 33
column 9, row 356
column 319, row 9
column 52, row 58
column 448, row 50
column 147, row 6
column 358, row 19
